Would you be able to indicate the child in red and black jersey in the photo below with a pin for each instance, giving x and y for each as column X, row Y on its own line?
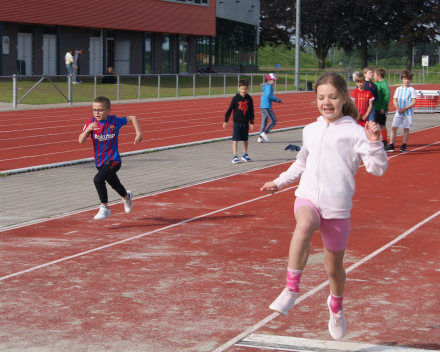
column 104, row 131
column 363, row 99
column 243, row 107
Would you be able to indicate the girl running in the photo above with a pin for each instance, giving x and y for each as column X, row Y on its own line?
column 333, row 148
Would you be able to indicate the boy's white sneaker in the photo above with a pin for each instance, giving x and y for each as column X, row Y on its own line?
column 128, row 205
column 264, row 136
column 260, row 140
column 337, row 324
column 284, row 302
column 104, row 212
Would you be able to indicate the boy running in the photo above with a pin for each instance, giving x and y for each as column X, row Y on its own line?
column 266, row 107
column 243, row 107
column 104, row 130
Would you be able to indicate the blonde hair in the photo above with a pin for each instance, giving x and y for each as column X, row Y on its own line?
column 337, row 81
column 380, row 72
column 367, row 69
column 360, row 77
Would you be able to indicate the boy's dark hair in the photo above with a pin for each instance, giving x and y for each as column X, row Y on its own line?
column 380, row 72
column 360, row 77
column 104, row 101
column 406, row 74
column 243, row 82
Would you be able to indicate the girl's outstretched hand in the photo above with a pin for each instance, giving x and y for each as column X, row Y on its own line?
column 269, row 187
column 372, row 131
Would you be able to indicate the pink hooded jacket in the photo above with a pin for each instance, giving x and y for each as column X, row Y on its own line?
column 329, row 159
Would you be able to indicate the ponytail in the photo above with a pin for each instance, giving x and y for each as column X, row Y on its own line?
column 337, row 81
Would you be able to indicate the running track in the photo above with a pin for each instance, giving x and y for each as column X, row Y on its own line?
column 41, row 137
column 209, row 259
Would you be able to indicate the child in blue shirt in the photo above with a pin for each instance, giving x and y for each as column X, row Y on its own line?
column 266, row 107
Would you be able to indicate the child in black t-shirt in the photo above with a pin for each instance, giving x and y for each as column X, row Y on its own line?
column 243, row 107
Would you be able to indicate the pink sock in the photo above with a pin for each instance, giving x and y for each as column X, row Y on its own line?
column 336, row 303
column 293, row 278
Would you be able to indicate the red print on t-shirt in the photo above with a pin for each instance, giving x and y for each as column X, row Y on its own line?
column 243, row 105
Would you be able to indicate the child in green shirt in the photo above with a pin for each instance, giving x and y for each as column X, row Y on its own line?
column 381, row 105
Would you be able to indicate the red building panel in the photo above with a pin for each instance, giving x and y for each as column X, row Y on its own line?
column 138, row 15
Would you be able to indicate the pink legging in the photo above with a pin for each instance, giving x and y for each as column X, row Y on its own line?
column 334, row 232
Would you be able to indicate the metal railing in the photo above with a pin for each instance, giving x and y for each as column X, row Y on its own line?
column 285, row 83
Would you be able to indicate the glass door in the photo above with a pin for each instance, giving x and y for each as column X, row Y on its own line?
column 184, row 54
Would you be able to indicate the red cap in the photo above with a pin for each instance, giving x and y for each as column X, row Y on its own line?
column 269, row 77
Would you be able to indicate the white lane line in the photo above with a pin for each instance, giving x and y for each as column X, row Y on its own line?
column 75, row 212
column 68, row 233
column 249, row 331
column 138, row 236
column 287, row 343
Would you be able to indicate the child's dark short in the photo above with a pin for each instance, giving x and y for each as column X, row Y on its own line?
column 240, row 132
column 381, row 119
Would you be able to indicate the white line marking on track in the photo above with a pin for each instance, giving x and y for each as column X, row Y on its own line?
column 68, row 233
column 138, row 236
column 249, row 331
column 288, row 343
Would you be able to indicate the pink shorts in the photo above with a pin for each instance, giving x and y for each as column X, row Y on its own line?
column 334, row 232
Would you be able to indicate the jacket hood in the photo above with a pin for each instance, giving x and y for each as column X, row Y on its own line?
column 343, row 119
column 264, row 84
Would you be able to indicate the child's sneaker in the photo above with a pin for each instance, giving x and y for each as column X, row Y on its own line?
column 385, row 144
column 389, row 148
column 128, row 205
column 284, row 302
column 403, row 149
column 235, row 159
column 260, row 140
column 264, row 136
column 104, row 212
column 245, row 157
column 337, row 324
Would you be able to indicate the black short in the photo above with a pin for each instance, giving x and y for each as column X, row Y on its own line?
column 381, row 119
column 240, row 132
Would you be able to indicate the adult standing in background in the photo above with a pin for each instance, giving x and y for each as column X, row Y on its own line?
column 68, row 58
column 76, row 79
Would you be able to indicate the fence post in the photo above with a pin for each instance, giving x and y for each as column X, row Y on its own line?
column 306, row 80
column 194, row 86
column 14, row 91
column 238, row 81
column 158, row 87
column 70, row 90
column 252, row 81
column 224, row 84
column 389, row 77
column 286, row 82
column 139, row 87
column 275, row 85
column 177, row 86
column 316, row 78
column 209, row 84
column 94, row 86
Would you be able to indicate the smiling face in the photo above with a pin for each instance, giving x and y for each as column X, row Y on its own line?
column 330, row 102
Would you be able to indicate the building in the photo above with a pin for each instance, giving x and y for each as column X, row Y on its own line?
column 134, row 36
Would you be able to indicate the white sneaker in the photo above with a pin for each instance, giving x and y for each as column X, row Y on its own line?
column 264, row 136
column 128, row 205
column 260, row 140
column 337, row 324
column 284, row 302
column 104, row 212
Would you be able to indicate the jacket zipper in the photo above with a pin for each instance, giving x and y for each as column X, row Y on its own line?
column 319, row 169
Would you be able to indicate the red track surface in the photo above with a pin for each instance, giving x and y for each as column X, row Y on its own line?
column 40, row 137
column 197, row 284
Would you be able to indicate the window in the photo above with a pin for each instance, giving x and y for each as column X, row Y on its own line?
column 166, row 53
column 148, row 53
column 191, row 2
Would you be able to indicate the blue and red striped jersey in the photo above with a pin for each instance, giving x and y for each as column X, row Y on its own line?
column 105, row 138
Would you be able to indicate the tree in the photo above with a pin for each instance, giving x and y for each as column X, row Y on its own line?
column 415, row 22
column 276, row 22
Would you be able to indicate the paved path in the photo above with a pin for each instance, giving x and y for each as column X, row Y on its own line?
column 46, row 193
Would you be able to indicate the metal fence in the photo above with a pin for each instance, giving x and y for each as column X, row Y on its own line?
column 167, row 85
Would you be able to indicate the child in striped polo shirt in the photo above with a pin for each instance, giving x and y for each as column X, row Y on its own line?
column 104, row 131
column 405, row 98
